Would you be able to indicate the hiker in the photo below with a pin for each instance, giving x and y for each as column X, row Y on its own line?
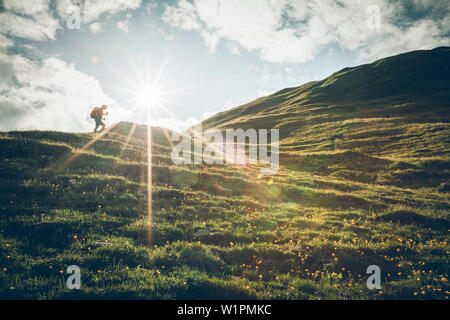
column 97, row 114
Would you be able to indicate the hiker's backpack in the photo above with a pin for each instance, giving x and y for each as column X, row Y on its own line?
column 95, row 113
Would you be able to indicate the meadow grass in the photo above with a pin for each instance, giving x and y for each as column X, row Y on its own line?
column 308, row 232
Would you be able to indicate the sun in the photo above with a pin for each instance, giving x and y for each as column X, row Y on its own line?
column 149, row 96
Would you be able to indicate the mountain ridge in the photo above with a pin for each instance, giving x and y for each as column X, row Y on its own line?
column 335, row 88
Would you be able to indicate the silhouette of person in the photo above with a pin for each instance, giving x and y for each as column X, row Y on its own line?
column 97, row 114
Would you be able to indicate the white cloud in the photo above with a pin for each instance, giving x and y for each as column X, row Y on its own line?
column 49, row 94
column 123, row 24
column 65, row 8
column 91, row 10
column 6, row 68
column 184, row 16
column 5, row 42
column 96, row 27
column 29, row 7
column 233, row 47
column 211, row 40
column 32, row 20
column 6, row 71
column 151, row 6
column 295, row 31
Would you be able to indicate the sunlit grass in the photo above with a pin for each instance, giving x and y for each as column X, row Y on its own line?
column 308, row 233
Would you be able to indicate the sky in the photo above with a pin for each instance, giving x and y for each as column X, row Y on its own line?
column 174, row 63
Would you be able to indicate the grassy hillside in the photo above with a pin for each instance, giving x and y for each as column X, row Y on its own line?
column 364, row 180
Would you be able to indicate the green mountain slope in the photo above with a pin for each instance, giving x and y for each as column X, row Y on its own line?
column 377, row 104
column 363, row 180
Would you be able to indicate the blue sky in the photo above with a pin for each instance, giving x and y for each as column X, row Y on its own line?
column 210, row 55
